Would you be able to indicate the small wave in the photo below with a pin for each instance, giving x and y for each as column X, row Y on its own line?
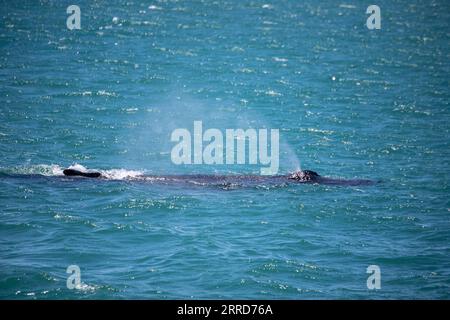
column 86, row 287
column 347, row 6
column 153, row 7
column 272, row 93
column 267, row 6
column 106, row 93
column 277, row 59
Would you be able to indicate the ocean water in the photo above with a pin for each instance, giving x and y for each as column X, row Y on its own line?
column 349, row 102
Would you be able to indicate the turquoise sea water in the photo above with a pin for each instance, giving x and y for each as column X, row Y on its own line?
column 349, row 102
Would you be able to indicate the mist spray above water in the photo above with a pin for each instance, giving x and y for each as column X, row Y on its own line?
column 293, row 162
column 150, row 142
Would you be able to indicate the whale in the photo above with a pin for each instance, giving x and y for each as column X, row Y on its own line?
column 88, row 174
column 301, row 176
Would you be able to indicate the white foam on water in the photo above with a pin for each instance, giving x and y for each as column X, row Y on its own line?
column 113, row 174
column 78, row 167
column 121, row 174
column 347, row 6
column 153, row 7
column 56, row 170
column 42, row 169
column 85, row 287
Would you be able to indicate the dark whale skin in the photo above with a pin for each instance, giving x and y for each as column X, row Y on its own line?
column 72, row 173
column 304, row 176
